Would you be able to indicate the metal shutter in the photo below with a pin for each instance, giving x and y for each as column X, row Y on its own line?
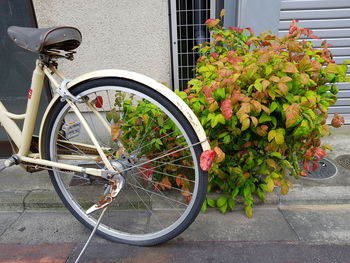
column 329, row 20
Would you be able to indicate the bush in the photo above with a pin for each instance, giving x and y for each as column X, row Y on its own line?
column 263, row 102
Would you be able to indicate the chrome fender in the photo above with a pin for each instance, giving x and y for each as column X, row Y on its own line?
column 147, row 81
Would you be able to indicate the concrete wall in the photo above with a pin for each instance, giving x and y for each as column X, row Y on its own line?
column 123, row 34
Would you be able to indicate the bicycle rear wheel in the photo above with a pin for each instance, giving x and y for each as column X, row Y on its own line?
column 139, row 130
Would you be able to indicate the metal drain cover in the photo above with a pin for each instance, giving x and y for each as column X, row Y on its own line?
column 326, row 169
column 343, row 160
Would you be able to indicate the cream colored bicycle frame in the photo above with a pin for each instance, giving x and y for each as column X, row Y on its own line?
column 23, row 138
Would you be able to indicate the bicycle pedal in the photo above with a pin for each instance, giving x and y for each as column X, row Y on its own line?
column 71, row 129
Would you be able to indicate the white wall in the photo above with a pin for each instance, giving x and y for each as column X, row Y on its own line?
column 123, row 34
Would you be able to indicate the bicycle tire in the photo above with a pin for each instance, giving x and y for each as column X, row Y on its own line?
column 135, row 216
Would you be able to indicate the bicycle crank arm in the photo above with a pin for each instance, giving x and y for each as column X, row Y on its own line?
column 115, row 187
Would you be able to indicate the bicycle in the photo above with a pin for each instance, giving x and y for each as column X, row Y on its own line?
column 110, row 139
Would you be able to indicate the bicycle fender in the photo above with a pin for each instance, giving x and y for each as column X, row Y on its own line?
column 142, row 79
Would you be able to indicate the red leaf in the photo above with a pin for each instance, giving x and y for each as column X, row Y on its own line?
column 215, row 55
column 314, row 166
column 238, row 29
column 226, row 108
column 207, row 159
column 337, row 120
column 207, row 91
column 98, row 102
column 212, row 22
column 319, row 153
column 306, row 166
column 314, row 37
column 147, row 171
column 235, row 60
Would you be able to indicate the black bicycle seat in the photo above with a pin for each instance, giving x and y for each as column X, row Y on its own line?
column 40, row 40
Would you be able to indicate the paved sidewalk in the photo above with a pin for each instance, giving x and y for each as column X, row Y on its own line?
column 314, row 215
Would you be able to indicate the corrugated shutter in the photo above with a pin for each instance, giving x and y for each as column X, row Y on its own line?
column 329, row 20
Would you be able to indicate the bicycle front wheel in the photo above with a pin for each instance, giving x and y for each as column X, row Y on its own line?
column 142, row 132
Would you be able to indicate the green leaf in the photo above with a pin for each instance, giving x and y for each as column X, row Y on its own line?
column 275, row 175
column 222, row 200
column 231, row 203
column 211, row 202
column 227, row 139
column 271, row 135
column 223, row 208
column 204, row 207
column 279, row 138
column 276, row 154
column 270, row 184
column 249, row 211
column 287, row 164
column 235, row 192
column 220, row 93
column 268, row 70
column 245, row 124
column 246, row 191
column 273, row 106
column 264, row 118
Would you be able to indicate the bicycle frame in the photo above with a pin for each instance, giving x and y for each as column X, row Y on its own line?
column 23, row 138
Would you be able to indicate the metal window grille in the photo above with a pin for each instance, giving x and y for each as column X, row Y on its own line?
column 187, row 31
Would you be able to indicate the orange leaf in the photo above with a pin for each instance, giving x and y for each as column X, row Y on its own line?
column 265, row 83
column 285, row 79
column 254, row 121
column 166, row 183
column 256, row 105
column 292, row 114
column 283, row 88
column 289, row 67
column 220, row 154
column 245, row 107
column 266, row 109
column 178, row 179
column 275, row 79
column 271, row 163
column 212, row 22
column 115, row 131
column 304, row 78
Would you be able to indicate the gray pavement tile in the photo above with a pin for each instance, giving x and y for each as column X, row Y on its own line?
column 6, row 219
column 16, row 178
column 319, row 223
column 266, row 224
column 10, row 201
column 46, row 227
column 43, row 200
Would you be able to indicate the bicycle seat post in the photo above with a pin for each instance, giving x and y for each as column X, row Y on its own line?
column 34, row 95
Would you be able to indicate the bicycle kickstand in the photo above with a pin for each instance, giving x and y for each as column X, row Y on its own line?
column 115, row 187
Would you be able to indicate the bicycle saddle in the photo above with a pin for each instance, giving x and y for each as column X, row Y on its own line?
column 40, row 40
